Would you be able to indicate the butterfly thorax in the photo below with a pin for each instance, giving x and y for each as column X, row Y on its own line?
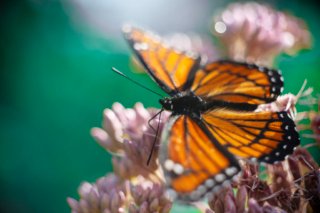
column 189, row 104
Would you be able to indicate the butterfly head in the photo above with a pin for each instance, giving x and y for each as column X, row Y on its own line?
column 166, row 103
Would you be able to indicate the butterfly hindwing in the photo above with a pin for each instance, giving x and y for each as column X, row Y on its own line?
column 266, row 136
column 172, row 69
column 192, row 162
column 236, row 82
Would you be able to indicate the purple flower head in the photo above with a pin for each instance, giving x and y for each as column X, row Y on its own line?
column 257, row 33
column 130, row 134
column 111, row 194
column 135, row 186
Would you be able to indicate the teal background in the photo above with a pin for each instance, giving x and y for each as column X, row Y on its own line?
column 55, row 81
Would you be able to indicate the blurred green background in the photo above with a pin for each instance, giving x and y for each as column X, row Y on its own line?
column 56, row 81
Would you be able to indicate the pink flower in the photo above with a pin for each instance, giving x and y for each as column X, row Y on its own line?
column 135, row 186
column 256, row 33
column 111, row 194
column 126, row 132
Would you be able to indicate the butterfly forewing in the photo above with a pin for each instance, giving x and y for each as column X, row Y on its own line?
column 237, row 83
column 173, row 70
column 267, row 136
column 193, row 162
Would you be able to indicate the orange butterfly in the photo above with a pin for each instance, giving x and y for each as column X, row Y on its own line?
column 212, row 117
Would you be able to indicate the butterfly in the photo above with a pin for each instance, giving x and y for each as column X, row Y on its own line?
column 213, row 122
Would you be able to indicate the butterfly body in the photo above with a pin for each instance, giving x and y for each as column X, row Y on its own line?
column 213, row 121
column 188, row 104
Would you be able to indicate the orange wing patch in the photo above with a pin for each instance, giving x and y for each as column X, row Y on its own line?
column 193, row 163
column 267, row 136
column 237, row 82
column 169, row 67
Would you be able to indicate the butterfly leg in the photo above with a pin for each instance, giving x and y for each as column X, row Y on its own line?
column 153, row 117
column 156, row 136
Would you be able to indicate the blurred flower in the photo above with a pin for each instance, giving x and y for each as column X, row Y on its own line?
column 287, row 103
column 127, row 134
column 110, row 194
column 312, row 183
column 313, row 118
column 257, row 33
column 277, row 189
column 149, row 199
column 106, row 195
column 227, row 201
column 254, row 207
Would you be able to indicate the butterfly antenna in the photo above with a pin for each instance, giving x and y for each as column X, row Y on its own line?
column 136, row 82
column 156, row 136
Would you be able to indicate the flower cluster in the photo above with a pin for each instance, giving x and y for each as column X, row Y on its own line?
column 313, row 116
column 111, row 194
column 134, row 186
column 130, row 134
column 288, row 186
column 257, row 33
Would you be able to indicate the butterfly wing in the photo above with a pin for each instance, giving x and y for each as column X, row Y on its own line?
column 176, row 71
column 237, row 83
column 193, row 161
column 173, row 70
column 266, row 136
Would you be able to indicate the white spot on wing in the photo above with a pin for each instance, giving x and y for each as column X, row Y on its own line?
column 209, row 183
column 172, row 194
column 220, row 177
column 226, row 183
column 178, row 169
column 168, row 165
column 194, row 195
column 231, row 171
column 216, row 189
column 201, row 189
column 191, row 54
column 209, row 195
column 140, row 46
